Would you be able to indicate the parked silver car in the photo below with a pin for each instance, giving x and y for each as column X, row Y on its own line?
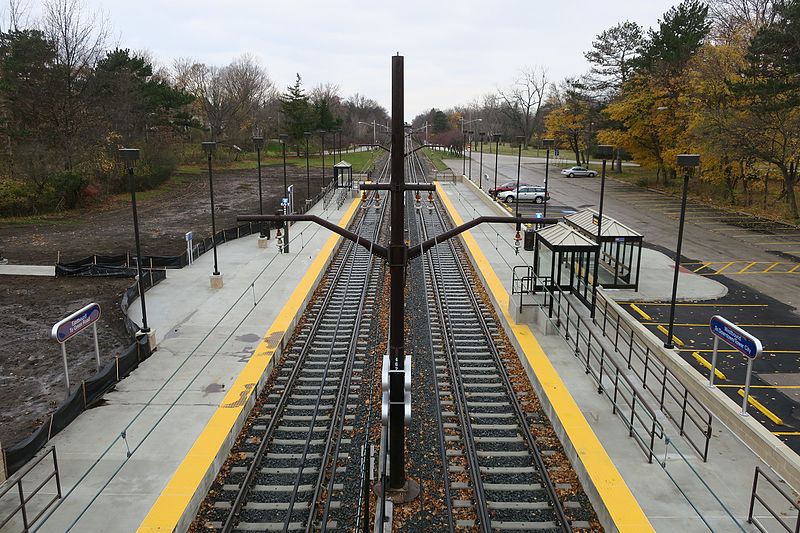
column 531, row 193
column 578, row 171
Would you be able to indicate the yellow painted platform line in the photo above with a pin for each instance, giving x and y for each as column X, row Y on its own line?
column 176, row 496
column 675, row 339
column 758, row 405
column 642, row 313
column 703, row 361
column 622, row 506
column 786, row 433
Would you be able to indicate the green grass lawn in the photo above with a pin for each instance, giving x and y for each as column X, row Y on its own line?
column 436, row 157
column 360, row 161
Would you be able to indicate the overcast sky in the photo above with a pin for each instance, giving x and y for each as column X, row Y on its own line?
column 455, row 51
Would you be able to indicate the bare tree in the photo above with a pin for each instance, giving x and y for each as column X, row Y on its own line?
column 17, row 15
column 739, row 20
column 79, row 40
column 229, row 97
column 522, row 102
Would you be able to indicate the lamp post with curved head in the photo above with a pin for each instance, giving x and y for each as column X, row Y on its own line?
column 216, row 278
column 496, row 151
column 129, row 156
column 307, row 134
column 547, row 143
column 688, row 162
column 258, row 142
column 480, row 177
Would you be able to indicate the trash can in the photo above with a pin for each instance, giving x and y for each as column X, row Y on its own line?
column 530, row 237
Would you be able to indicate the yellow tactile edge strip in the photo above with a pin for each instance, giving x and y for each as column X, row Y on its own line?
column 616, row 499
column 175, row 507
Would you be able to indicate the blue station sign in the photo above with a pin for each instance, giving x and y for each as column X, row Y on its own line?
column 736, row 337
column 75, row 323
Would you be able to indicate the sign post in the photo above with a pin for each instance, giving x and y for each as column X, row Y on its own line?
column 285, row 204
column 70, row 326
column 739, row 339
column 189, row 247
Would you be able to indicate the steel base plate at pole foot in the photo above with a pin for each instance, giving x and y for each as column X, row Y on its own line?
column 408, row 493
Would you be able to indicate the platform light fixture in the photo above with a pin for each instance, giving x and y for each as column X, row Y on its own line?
column 129, row 156
column 688, row 162
column 307, row 135
column 209, row 147
column 496, row 152
column 258, row 143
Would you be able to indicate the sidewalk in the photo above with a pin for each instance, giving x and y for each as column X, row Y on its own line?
column 729, row 470
column 205, row 337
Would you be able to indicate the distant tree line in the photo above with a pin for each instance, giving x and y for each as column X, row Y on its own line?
column 720, row 78
column 68, row 101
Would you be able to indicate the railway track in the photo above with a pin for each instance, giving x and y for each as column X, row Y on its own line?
column 298, row 464
column 496, row 476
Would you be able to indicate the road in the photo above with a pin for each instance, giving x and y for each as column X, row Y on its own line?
column 758, row 261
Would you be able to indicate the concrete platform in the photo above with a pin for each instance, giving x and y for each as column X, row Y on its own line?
column 207, row 339
column 672, row 497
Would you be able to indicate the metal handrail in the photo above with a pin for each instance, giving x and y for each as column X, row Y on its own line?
column 675, row 400
column 612, row 381
column 776, row 515
column 23, row 500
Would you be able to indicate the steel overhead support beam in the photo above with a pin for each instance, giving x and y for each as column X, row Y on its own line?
column 376, row 249
column 376, row 146
column 419, row 249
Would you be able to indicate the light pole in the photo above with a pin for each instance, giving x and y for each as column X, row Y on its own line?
column 322, row 150
column 604, row 152
column 307, row 134
column 547, row 143
column 496, row 151
column 373, row 124
column 464, row 151
column 258, row 142
column 283, row 138
column 687, row 162
column 520, row 139
column 464, row 134
column 471, row 132
column 480, row 177
column 216, row 278
column 129, row 156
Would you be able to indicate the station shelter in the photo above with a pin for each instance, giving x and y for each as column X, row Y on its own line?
column 563, row 261
column 343, row 175
column 620, row 248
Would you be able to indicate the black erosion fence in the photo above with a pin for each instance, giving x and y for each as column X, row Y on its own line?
column 90, row 390
column 123, row 265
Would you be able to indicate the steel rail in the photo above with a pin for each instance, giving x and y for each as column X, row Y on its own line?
column 283, row 401
column 521, row 418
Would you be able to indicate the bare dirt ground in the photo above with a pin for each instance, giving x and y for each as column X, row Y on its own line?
column 31, row 371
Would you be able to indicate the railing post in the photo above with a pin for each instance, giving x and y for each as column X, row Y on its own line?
column 646, row 362
column 616, row 390
column 753, row 498
column 663, row 389
column 616, row 335
column 633, row 409
column 22, row 505
column 566, row 328
column 588, row 348
column 683, row 413
column 600, row 378
column 55, row 469
column 630, row 351
column 652, row 441
column 577, row 335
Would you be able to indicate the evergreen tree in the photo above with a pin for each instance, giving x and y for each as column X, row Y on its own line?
column 296, row 111
column 612, row 55
column 680, row 34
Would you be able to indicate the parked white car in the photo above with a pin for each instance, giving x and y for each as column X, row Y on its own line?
column 530, row 193
column 578, row 171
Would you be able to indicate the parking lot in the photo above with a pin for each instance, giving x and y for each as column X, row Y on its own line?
column 758, row 260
